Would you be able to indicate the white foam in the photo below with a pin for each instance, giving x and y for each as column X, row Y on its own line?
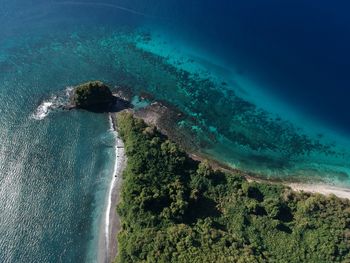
column 43, row 110
column 119, row 152
column 111, row 127
column 54, row 102
column 68, row 91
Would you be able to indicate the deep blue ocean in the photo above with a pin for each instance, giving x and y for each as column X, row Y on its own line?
column 264, row 86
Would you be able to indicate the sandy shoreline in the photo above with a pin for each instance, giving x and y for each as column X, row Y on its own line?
column 317, row 187
column 324, row 189
column 111, row 222
column 159, row 115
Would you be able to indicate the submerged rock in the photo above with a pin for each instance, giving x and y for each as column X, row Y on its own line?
column 97, row 97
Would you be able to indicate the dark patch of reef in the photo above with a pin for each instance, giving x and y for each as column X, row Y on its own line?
column 215, row 118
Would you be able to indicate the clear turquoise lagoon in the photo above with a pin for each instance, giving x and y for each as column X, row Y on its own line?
column 263, row 88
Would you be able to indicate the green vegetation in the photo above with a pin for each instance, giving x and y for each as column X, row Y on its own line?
column 91, row 95
column 175, row 209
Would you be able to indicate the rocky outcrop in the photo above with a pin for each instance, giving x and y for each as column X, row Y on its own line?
column 92, row 95
column 97, row 97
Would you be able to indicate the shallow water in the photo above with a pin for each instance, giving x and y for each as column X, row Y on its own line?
column 258, row 95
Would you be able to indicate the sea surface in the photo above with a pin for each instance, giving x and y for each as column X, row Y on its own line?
column 263, row 86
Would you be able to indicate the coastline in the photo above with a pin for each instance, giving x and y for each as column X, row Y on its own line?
column 108, row 245
column 300, row 186
column 111, row 224
column 283, row 225
column 159, row 115
column 323, row 189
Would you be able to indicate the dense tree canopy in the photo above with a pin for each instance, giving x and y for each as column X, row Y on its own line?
column 175, row 209
column 91, row 95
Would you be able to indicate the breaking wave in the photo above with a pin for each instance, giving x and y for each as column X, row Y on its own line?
column 43, row 110
column 53, row 103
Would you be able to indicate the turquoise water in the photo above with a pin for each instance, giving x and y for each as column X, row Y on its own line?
column 56, row 166
column 55, row 169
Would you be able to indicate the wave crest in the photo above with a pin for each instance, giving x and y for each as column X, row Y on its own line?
column 43, row 110
column 53, row 103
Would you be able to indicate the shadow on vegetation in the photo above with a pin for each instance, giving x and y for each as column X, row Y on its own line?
column 202, row 208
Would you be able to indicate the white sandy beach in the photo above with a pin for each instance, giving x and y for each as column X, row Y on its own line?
column 321, row 188
column 111, row 222
column 324, row 189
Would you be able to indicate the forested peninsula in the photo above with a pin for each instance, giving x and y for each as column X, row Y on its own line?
column 176, row 209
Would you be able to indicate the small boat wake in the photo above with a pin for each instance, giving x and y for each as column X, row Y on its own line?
column 55, row 102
